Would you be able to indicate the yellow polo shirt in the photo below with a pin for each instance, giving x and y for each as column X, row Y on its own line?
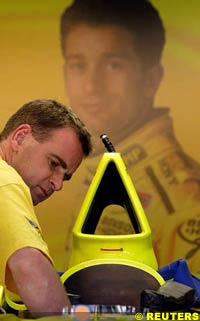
column 19, row 226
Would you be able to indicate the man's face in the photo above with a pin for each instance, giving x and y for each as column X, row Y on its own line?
column 44, row 166
column 104, row 80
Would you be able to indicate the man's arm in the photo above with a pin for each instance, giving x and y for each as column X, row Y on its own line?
column 37, row 282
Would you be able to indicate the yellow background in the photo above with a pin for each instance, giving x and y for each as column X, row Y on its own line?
column 31, row 67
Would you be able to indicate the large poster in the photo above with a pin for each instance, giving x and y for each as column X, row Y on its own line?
column 32, row 67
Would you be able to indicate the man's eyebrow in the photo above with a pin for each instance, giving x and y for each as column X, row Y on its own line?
column 61, row 161
column 67, row 177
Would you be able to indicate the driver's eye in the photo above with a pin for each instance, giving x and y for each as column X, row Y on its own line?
column 67, row 177
column 53, row 164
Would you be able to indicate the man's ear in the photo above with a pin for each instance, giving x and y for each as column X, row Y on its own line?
column 153, row 80
column 19, row 135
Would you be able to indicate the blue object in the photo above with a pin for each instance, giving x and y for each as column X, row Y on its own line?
column 179, row 272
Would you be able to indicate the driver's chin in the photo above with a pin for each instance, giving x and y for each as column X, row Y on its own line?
column 36, row 199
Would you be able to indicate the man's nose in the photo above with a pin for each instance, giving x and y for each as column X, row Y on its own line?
column 56, row 181
column 93, row 80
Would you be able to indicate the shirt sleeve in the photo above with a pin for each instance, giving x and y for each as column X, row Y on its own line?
column 19, row 226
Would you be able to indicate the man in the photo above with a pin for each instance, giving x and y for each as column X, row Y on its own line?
column 41, row 146
column 112, row 51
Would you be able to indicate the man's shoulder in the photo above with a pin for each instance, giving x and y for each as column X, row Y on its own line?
column 8, row 175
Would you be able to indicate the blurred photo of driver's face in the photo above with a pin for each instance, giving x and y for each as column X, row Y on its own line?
column 104, row 80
